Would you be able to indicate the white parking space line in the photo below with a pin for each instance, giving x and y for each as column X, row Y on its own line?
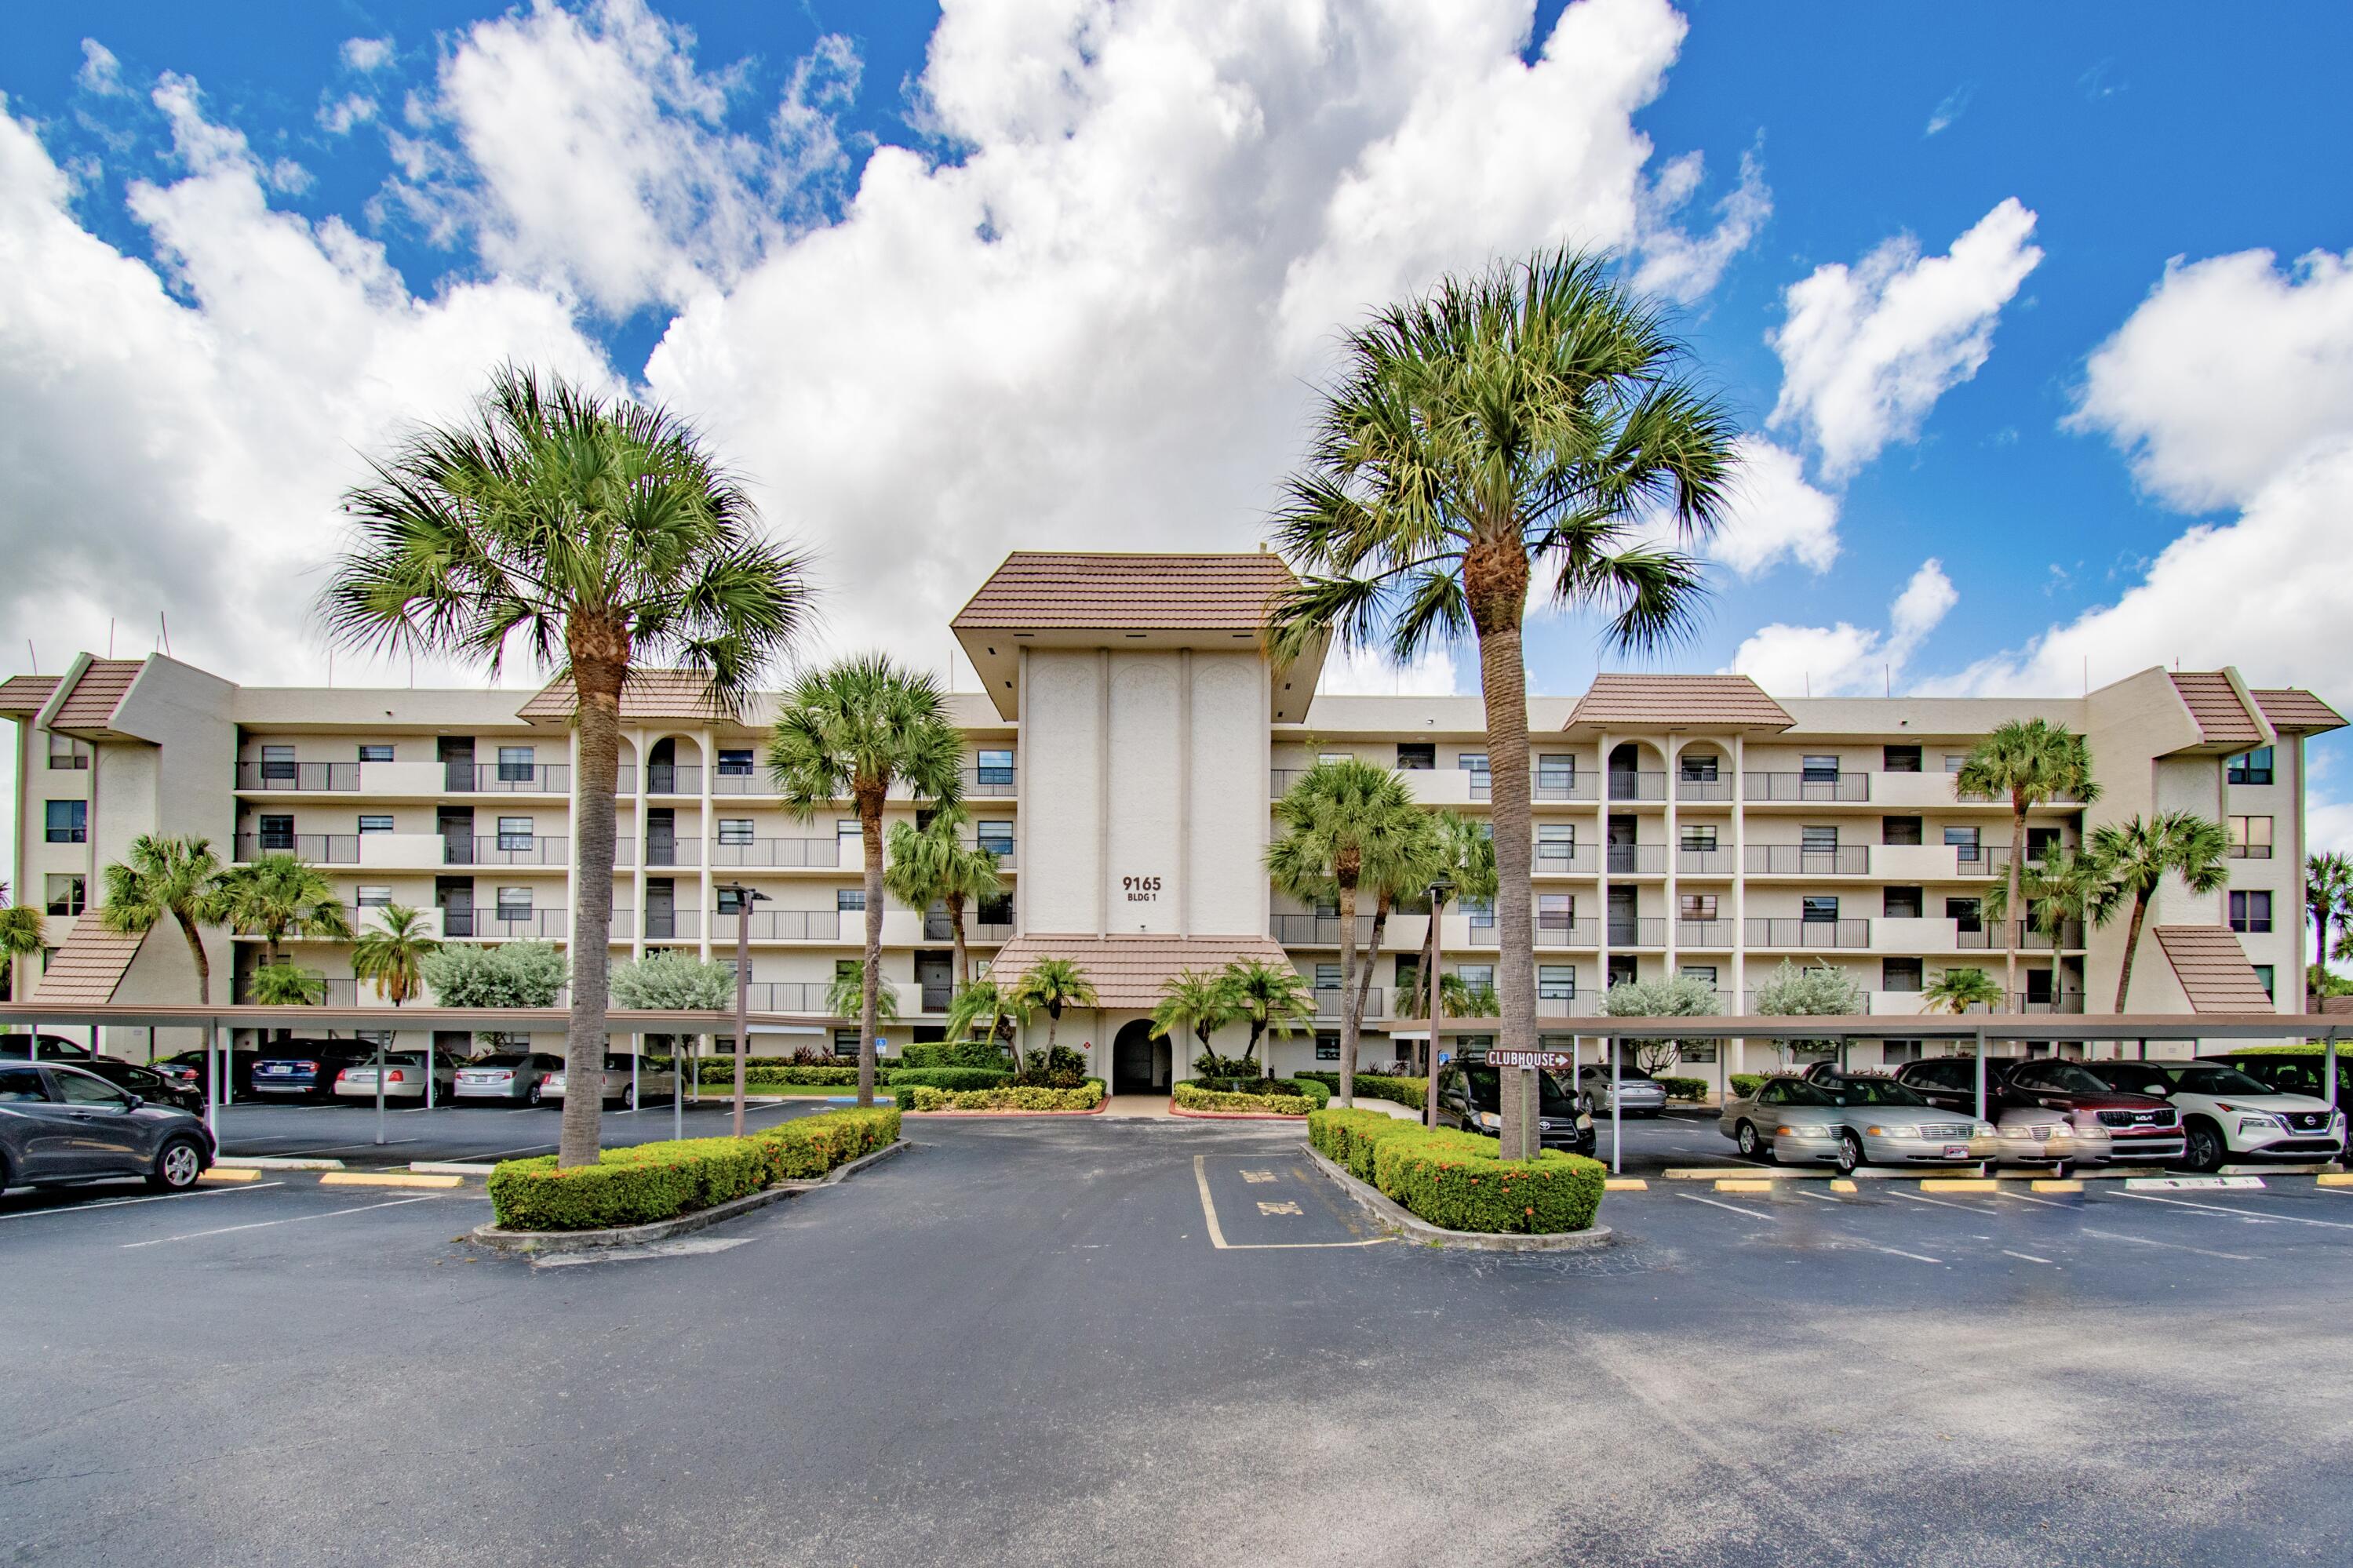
column 158, row 1198
column 2031, row 1198
column 2247, row 1215
column 1818, row 1197
column 1940, row 1202
column 1891, row 1251
column 266, row 1223
column 346, row 1148
column 1735, row 1208
column 2169, row 1246
column 2028, row 1257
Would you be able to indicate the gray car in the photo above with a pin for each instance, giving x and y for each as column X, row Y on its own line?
column 60, row 1125
column 653, row 1082
column 1639, row 1093
column 1852, row 1123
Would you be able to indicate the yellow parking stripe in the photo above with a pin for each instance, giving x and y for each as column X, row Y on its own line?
column 1744, row 1184
column 2054, row 1184
column 1840, row 1184
column 1625, row 1185
column 2334, row 1179
column 217, row 1174
column 373, row 1179
column 1960, row 1185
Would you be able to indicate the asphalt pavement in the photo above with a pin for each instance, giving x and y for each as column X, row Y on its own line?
column 471, row 1133
column 1082, row 1341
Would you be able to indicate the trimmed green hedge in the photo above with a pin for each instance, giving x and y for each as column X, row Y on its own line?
column 956, row 1053
column 1191, row 1096
column 952, row 1077
column 1412, row 1092
column 1684, row 1088
column 1011, row 1096
column 649, row 1182
column 1456, row 1179
column 1745, row 1084
column 721, row 1070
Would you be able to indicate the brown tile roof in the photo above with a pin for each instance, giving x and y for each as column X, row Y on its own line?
column 1088, row 591
column 87, row 968
column 2213, row 970
column 649, row 694
column 2221, row 718
column 1693, row 701
column 1127, row 971
column 96, row 692
column 2286, row 707
column 26, row 693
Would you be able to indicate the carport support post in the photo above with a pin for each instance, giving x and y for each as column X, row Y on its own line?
column 680, row 1045
column 1617, row 1137
column 212, row 1079
column 379, row 1086
column 1981, row 1043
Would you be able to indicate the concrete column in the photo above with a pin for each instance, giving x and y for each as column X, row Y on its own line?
column 1674, row 750
column 1184, row 792
column 1739, row 898
column 1102, row 792
column 708, row 739
column 1022, row 861
column 637, row 871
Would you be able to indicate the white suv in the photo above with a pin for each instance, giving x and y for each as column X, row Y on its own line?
column 2226, row 1115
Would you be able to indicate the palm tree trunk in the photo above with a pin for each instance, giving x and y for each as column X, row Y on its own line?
column 870, row 986
column 204, row 964
column 955, row 930
column 598, row 683
column 1249, row 1051
column 2011, row 915
column 1495, row 583
column 1350, row 1020
column 1053, row 1022
column 1372, row 953
column 2132, row 946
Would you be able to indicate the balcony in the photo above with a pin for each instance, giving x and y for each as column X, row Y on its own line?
column 781, row 925
column 298, row 776
column 1793, row 788
column 1703, row 933
column 511, row 924
column 505, row 849
column 990, row 782
column 1775, row 931
column 1318, row 931
column 937, row 927
column 1702, row 791
column 1565, row 859
column 776, row 854
column 1327, row 1003
column 1799, row 860
column 747, row 781
column 661, row 925
column 1556, row 785
column 1644, row 930
column 1559, row 931
column 509, row 778
column 1001, row 849
column 1637, row 785
column 936, row 996
column 1570, row 1005
column 1637, row 859
column 658, row 851
column 1703, row 862
column 342, row 991
column 319, row 849
column 786, row 996
column 1279, row 783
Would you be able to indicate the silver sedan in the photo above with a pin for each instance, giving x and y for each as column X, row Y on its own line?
column 1852, row 1123
column 1639, row 1093
column 652, row 1082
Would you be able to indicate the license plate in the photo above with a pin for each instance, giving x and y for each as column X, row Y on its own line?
column 2042, row 1133
column 1957, row 1151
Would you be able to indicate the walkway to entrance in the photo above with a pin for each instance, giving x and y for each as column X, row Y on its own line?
column 1139, row 1107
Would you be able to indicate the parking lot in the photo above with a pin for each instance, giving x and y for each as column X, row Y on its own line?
column 466, row 1133
column 1085, row 1341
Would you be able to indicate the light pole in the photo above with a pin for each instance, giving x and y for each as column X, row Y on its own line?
column 745, row 899
column 1435, row 990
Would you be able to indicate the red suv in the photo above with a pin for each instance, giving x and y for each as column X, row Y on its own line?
column 2141, row 1129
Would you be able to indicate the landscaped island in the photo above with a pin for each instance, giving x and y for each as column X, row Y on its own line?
column 1458, row 1181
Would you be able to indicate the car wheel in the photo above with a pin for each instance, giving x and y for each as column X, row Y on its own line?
column 1744, row 1138
column 1849, row 1154
column 2204, row 1149
column 629, row 1097
column 177, row 1165
column 532, row 1096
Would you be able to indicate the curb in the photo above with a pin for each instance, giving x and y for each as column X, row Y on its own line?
column 1392, row 1217
column 534, row 1241
column 1176, row 1110
column 1098, row 1111
column 273, row 1163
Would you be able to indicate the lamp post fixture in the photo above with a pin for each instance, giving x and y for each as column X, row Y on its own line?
column 1434, row 988
column 745, row 899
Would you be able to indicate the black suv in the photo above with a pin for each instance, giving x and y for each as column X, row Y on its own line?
column 1470, row 1096
column 307, row 1067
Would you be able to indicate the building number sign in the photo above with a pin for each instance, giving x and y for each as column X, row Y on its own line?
column 1141, row 890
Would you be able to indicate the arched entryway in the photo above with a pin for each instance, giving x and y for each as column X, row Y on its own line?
column 1139, row 1064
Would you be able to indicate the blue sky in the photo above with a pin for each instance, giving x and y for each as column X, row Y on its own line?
column 1184, row 202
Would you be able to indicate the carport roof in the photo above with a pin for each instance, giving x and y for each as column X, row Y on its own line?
column 1127, row 971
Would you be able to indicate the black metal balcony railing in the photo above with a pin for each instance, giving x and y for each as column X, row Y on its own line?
column 1280, row 781
column 1482, row 783
column 787, row 996
column 319, row 849
column 1969, row 937
column 1771, row 788
column 752, row 781
column 1327, row 1003
column 1559, row 931
column 460, row 922
column 674, row 778
column 1703, row 862
column 1718, row 788
column 661, row 925
column 1801, row 860
column 1702, row 934
column 1318, row 931
column 987, row 931
column 1777, row 931
column 1637, row 859
column 2059, row 1002
column 1644, row 930
column 776, row 853
column 504, row 850
column 991, row 783
column 786, row 925
column 1557, row 786
column 1557, row 1005
column 342, row 990
column 302, row 776
column 1639, row 785
column 937, row 995
column 511, row 924
column 660, row 851
column 512, row 778
column 1565, row 859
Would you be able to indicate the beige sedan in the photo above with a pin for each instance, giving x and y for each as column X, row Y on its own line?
column 652, row 1082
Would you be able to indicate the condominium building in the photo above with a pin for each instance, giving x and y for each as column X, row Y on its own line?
column 1121, row 759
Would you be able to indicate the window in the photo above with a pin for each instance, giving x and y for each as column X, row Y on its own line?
column 2038, row 986
column 2041, row 844
column 20, row 1086
column 734, row 761
column 1966, row 914
column 64, row 895
column 1902, row 903
column 1335, row 756
column 995, row 766
column 514, row 903
column 1704, row 972
column 514, row 832
column 995, row 910
column 1897, row 1052
column 1899, row 759
column 1899, row 974
column 1699, row 838
column 845, row 1042
column 375, row 822
column 2264, row 972
column 2250, row 838
column 1820, row 770
column 2250, row 767
column 1700, row 768
column 1556, row 846
column 374, row 895
column 997, row 837
column 68, row 822
column 1556, row 911
column 734, row 830
column 1818, row 840
column 1481, row 910
column 66, row 753
column 1415, row 756
column 849, row 900
column 1478, row 977
column 517, row 763
column 1472, row 762
column 80, row 1089
column 1327, row 1047
column 1696, row 906
column 1557, row 981
column 2251, row 910
column 277, row 832
column 278, row 764
column 1699, row 1050
column 1556, row 774
column 1954, row 761
column 1409, row 972
column 1963, row 841
column 1820, row 910
column 375, row 754
column 1327, row 977
column 1899, row 830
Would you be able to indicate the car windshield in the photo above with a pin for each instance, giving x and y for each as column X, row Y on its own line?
column 2219, row 1080
column 1797, row 1092
column 1554, row 1098
column 2067, row 1079
column 1871, row 1091
column 1627, row 1072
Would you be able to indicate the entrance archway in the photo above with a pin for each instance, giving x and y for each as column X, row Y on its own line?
column 1139, row 1064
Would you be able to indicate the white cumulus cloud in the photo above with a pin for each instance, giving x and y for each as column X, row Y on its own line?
column 1774, row 513
column 367, row 55
column 1844, row 659
column 1867, row 349
column 1369, row 672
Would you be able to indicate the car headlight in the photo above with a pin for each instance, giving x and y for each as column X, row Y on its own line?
column 1894, row 1130
column 1490, row 1118
column 1585, row 1121
column 2257, row 1122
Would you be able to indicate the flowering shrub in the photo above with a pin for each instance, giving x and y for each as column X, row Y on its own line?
column 1270, row 1100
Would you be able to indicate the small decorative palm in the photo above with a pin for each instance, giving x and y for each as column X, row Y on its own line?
column 391, row 955
column 288, row 985
column 2139, row 854
column 1050, row 985
column 2328, row 899
column 24, row 932
column 163, row 878
column 847, row 996
column 933, row 864
column 1272, row 998
column 1958, row 990
column 986, row 1004
column 280, row 895
column 1195, row 1002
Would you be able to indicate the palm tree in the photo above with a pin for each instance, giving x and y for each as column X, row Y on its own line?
column 2066, row 887
column 279, row 985
column 1466, row 862
column 1958, row 990
column 932, row 863
column 1050, row 985
column 851, row 732
column 2328, row 899
column 2140, row 854
column 175, row 878
column 603, row 534
column 2029, row 762
column 985, row 1002
column 24, row 932
column 847, row 996
column 277, row 896
column 1346, row 824
column 1531, row 426
column 1271, row 998
column 392, row 954
column 1197, row 1001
